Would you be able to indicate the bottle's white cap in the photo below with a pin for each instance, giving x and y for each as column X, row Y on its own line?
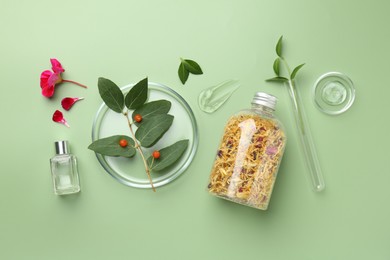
column 261, row 98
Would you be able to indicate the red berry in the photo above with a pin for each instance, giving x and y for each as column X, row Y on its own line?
column 123, row 142
column 156, row 154
column 137, row 118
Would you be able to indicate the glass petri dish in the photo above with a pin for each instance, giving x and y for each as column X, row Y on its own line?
column 131, row 171
column 334, row 93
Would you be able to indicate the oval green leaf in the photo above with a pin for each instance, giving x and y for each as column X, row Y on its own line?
column 137, row 95
column 277, row 66
column 109, row 146
column 294, row 73
column 192, row 66
column 153, row 129
column 151, row 109
column 111, row 94
column 183, row 73
column 277, row 79
column 279, row 47
column 168, row 155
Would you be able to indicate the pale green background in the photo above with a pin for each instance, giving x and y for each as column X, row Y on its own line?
column 128, row 40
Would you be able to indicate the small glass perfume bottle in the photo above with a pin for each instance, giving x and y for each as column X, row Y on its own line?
column 64, row 170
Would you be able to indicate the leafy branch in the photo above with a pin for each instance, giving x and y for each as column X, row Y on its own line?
column 288, row 80
column 152, row 121
column 277, row 64
column 300, row 119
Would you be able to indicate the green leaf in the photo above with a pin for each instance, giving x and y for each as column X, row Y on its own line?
column 277, row 66
column 183, row 73
column 151, row 109
column 168, row 155
column 109, row 146
column 277, row 79
column 137, row 95
column 153, row 129
column 192, row 66
column 111, row 94
column 294, row 73
column 279, row 47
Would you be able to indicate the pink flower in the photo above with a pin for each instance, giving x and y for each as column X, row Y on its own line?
column 49, row 79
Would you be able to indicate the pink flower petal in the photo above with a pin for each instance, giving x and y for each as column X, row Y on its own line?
column 58, row 117
column 271, row 150
column 54, row 79
column 68, row 102
column 48, row 91
column 45, row 77
column 56, row 66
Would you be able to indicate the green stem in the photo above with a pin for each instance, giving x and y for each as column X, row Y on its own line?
column 306, row 140
column 74, row 82
column 294, row 98
column 138, row 147
column 286, row 65
column 297, row 107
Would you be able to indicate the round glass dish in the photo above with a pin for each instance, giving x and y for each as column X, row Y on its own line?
column 334, row 93
column 131, row 171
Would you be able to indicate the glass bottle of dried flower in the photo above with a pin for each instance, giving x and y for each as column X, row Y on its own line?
column 249, row 155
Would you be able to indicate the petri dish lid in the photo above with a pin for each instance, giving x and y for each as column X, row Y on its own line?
column 334, row 93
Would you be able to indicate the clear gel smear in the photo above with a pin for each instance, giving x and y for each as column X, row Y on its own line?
column 212, row 98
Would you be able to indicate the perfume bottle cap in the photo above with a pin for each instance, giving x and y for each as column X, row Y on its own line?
column 61, row 147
